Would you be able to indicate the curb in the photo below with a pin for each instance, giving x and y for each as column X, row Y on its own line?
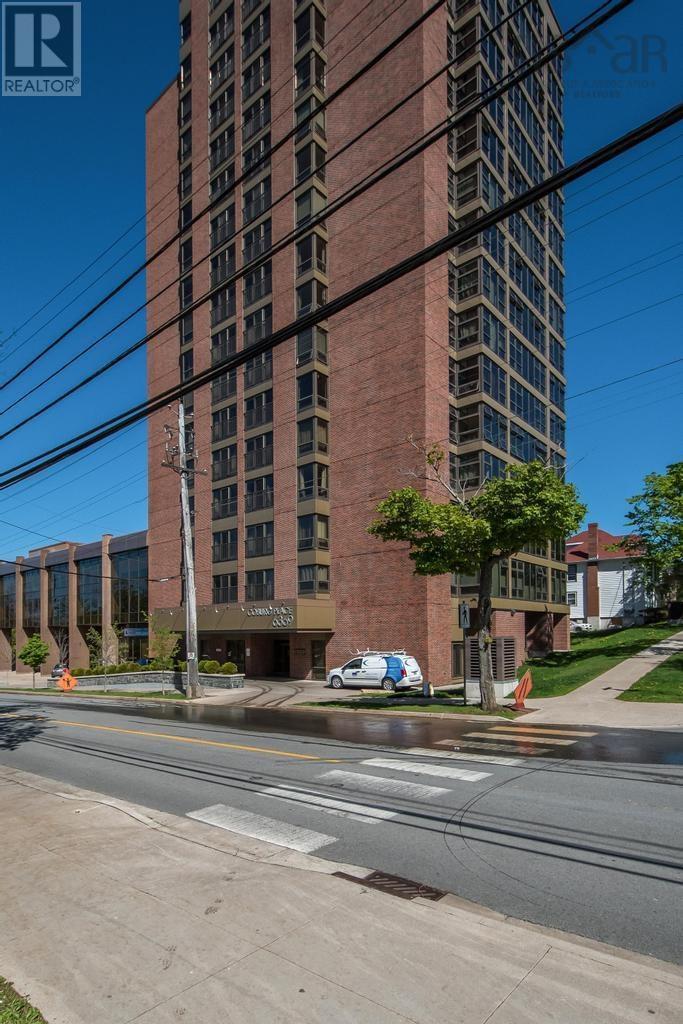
column 94, row 696
column 397, row 714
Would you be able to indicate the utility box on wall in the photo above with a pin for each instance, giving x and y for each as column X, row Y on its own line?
column 504, row 659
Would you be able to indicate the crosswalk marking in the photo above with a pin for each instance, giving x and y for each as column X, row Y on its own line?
column 422, row 768
column 339, row 808
column 501, row 746
column 255, row 826
column 378, row 784
column 539, row 729
column 509, row 762
column 524, row 739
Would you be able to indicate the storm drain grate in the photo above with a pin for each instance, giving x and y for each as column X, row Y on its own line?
column 395, row 886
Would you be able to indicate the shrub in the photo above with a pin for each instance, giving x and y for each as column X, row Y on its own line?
column 229, row 668
column 77, row 671
column 202, row 665
column 182, row 666
column 212, row 666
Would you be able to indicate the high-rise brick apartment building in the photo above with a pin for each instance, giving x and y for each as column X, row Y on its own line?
column 300, row 445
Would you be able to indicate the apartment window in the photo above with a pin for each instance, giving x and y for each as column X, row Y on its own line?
column 310, row 205
column 185, row 29
column 257, row 241
column 185, row 183
column 260, row 585
column 259, row 493
column 527, row 323
column 527, row 240
column 259, row 540
column 314, row 579
column 525, row 446
column 225, row 588
column 527, row 365
column 258, row 409
column 556, row 353
column 501, row 571
column 222, row 148
column 309, row 119
column 256, row 75
column 494, row 380
column 493, row 286
column 556, row 278
column 555, row 315
column 258, row 284
column 313, row 532
column 312, row 436
column 258, row 451
column 186, row 292
column 557, row 391
column 312, row 389
column 89, row 591
column 310, row 161
column 258, row 369
column 256, row 117
column 525, row 279
column 186, row 365
column 311, row 254
column 224, row 546
column 186, row 145
column 311, row 344
column 494, row 427
column 256, row 200
column 527, row 406
column 224, row 386
column 58, row 595
column 224, row 502
column 185, row 329
column 185, row 109
column 222, row 226
column 529, row 581
column 224, row 462
column 224, row 423
column 256, row 33
column 185, row 72
column 310, row 71
column 313, row 481
column 221, row 30
column 558, row 582
column 557, row 429
column 309, row 27
column 223, row 344
column 310, row 296
column 223, row 305
column 254, row 158
column 185, row 255
column 222, row 68
column 222, row 108
column 258, row 325
column 222, row 266
column 222, row 182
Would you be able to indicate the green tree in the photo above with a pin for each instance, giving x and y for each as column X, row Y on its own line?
column 471, row 532
column 656, row 516
column 34, row 653
column 93, row 640
column 163, row 644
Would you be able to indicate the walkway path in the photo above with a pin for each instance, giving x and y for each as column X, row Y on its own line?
column 595, row 703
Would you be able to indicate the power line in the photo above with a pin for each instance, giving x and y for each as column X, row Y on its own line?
column 262, row 160
column 349, row 298
column 620, row 380
column 281, row 243
column 637, row 273
column 625, row 266
column 624, row 184
column 573, row 35
column 618, row 319
column 618, row 170
column 629, row 202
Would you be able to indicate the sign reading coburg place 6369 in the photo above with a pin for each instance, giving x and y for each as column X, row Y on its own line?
column 281, row 615
column 41, row 49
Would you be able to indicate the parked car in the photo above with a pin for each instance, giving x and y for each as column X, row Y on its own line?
column 58, row 671
column 578, row 626
column 390, row 670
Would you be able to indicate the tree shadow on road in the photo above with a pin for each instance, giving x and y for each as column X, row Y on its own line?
column 18, row 726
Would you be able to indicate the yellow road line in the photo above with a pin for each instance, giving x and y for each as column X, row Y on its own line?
column 537, row 728
column 192, row 739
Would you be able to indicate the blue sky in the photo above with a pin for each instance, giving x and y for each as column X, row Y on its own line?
column 72, row 181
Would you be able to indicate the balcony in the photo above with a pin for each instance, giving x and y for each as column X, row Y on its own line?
column 256, row 547
column 259, row 290
column 311, row 491
column 257, row 248
column 222, row 233
column 221, row 311
column 255, row 208
column 254, row 40
column 220, row 36
column 248, row 7
column 259, row 458
column 255, row 124
column 224, row 552
column 310, row 542
column 221, row 114
column 258, row 416
column 224, row 469
column 258, row 332
column 222, row 389
column 224, row 509
column 220, row 154
column 222, row 272
column 255, row 501
column 257, row 374
column 223, row 430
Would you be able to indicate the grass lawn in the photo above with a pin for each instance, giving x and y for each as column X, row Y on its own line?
column 14, row 1009
column 442, row 703
column 590, row 656
column 664, row 683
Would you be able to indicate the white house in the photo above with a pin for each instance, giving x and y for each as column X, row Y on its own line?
column 602, row 586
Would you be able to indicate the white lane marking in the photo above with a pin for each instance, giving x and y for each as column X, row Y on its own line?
column 339, row 808
column 502, row 746
column 523, row 739
column 421, row 768
column 388, row 787
column 255, row 826
column 510, row 762
column 537, row 729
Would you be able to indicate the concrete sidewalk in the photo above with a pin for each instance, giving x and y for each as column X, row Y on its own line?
column 111, row 913
column 595, row 703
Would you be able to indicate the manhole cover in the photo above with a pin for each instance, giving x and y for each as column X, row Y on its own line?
column 403, row 887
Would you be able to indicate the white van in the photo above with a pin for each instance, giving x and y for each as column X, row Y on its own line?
column 390, row 670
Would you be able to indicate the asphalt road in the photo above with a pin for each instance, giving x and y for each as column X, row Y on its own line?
column 519, row 821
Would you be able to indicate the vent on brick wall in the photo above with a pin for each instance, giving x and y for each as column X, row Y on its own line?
column 503, row 656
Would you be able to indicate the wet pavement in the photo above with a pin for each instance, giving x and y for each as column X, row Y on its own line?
column 472, row 735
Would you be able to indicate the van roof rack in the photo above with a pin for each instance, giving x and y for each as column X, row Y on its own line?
column 393, row 653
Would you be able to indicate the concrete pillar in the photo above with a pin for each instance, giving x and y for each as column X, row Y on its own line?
column 592, row 595
column 561, row 636
column 79, row 656
column 107, row 595
column 46, row 634
column 5, row 651
column 21, row 633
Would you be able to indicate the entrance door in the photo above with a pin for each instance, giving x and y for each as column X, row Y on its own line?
column 281, row 656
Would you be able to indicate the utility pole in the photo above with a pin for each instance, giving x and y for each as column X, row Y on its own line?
column 179, row 451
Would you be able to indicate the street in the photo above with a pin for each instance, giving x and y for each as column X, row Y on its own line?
column 530, row 823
